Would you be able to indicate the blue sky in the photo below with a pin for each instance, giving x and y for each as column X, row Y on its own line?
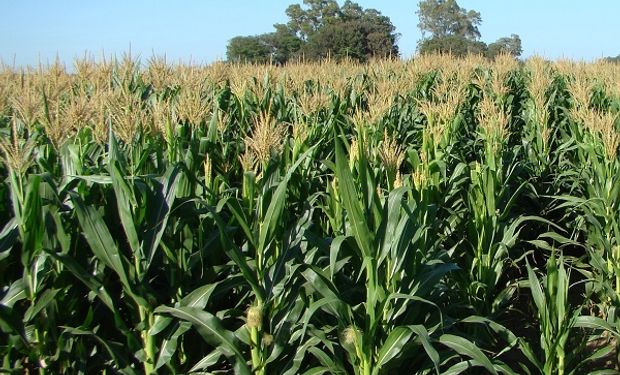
column 39, row 30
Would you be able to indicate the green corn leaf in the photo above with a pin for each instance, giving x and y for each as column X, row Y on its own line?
column 497, row 328
column 329, row 362
column 161, row 322
column 423, row 335
column 276, row 206
column 598, row 354
column 92, row 283
column 594, row 322
column 125, row 200
column 211, row 331
column 209, row 360
column 318, row 371
column 529, row 353
column 334, row 250
column 213, row 123
column 391, row 226
column 430, row 278
column 301, row 354
column 562, row 290
column 200, row 296
column 169, row 345
column 352, row 204
column 16, row 293
column 465, row 347
column 537, row 292
column 242, row 220
column 32, row 222
column 235, row 254
column 393, row 346
column 328, row 302
column 100, row 240
column 8, row 236
column 42, row 302
column 97, row 179
column 157, row 222
column 114, row 349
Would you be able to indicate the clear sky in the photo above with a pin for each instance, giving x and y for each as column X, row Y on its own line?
column 39, row 30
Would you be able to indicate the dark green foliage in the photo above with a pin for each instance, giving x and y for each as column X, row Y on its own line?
column 613, row 59
column 454, row 30
column 442, row 18
column 284, row 44
column 507, row 45
column 321, row 29
column 454, row 44
column 253, row 49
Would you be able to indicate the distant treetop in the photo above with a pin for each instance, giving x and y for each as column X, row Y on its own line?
column 613, row 59
column 446, row 27
column 319, row 29
column 442, row 18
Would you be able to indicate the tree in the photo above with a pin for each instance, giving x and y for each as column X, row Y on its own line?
column 380, row 34
column 613, row 59
column 356, row 33
column 252, row 49
column 453, row 29
column 305, row 22
column 336, row 40
column 283, row 43
column 321, row 28
column 442, row 18
column 453, row 44
column 507, row 45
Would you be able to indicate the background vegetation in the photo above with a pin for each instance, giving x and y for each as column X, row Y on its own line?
column 321, row 29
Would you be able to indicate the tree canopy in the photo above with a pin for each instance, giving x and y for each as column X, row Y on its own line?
column 318, row 29
column 252, row 48
column 446, row 27
column 508, row 45
column 442, row 18
column 613, row 59
column 454, row 44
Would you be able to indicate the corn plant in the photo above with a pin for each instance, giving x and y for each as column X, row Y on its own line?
column 130, row 261
column 494, row 190
column 539, row 134
column 325, row 217
column 379, row 330
column 558, row 321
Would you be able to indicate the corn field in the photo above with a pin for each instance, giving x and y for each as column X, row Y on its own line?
column 431, row 216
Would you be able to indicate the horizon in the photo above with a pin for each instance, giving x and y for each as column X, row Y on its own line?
column 198, row 32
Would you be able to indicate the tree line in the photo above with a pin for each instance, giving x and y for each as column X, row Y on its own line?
column 318, row 29
column 615, row 60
